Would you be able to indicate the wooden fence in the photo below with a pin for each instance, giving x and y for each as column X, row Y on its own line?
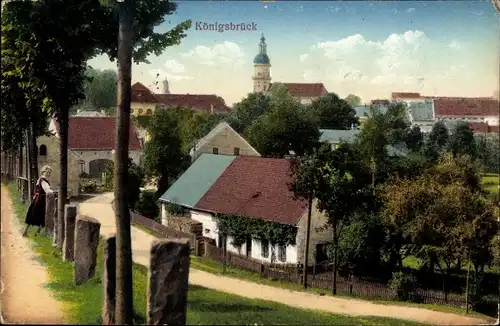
column 345, row 285
column 163, row 230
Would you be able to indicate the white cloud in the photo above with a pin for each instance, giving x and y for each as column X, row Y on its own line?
column 410, row 10
column 174, row 67
column 410, row 58
column 227, row 53
column 173, row 71
column 303, row 57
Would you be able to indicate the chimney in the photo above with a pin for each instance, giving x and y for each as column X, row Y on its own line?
column 211, row 108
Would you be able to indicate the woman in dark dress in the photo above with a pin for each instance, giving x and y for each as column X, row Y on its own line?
column 36, row 211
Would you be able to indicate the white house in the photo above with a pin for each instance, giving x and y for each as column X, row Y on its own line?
column 251, row 187
column 91, row 141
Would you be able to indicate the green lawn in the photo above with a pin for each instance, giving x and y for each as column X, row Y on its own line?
column 491, row 181
column 82, row 304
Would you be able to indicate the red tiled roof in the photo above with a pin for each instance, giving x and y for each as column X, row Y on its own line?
column 255, row 187
column 306, row 90
column 96, row 133
column 405, row 95
column 142, row 94
column 494, row 129
column 194, row 101
column 466, row 107
column 381, row 102
column 479, row 126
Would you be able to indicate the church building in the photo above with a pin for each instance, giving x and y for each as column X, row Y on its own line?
column 303, row 92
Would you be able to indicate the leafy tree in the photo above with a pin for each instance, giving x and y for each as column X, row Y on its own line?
column 340, row 184
column 244, row 113
column 333, row 112
column 414, row 139
column 438, row 216
column 100, row 89
column 279, row 92
column 287, row 127
column 58, row 50
column 436, row 143
column 163, row 155
column 461, row 141
column 360, row 243
column 353, row 100
column 195, row 125
column 439, row 135
column 136, row 179
column 488, row 152
column 397, row 123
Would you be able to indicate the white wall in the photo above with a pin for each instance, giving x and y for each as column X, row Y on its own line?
column 89, row 155
column 492, row 120
column 210, row 224
column 291, row 253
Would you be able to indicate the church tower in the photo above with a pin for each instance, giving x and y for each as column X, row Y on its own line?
column 262, row 68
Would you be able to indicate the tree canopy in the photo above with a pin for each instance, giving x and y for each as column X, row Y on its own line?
column 353, row 100
column 99, row 89
column 332, row 112
column 286, row 127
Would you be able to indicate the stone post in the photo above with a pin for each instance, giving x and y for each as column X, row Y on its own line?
column 168, row 282
column 69, row 232
column 86, row 243
column 109, row 281
column 60, row 230
column 54, row 226
column 50, row 210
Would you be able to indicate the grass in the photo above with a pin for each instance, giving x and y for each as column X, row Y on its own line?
column 491, row 181
column 82, row 304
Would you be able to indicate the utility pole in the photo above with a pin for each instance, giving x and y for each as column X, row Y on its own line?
column 124, row 310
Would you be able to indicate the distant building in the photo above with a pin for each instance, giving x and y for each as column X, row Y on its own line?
column 305, row 93
column 145, row 102
column 91, row 142
column 223, row 140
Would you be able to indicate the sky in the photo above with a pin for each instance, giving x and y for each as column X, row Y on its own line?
column 445, row 48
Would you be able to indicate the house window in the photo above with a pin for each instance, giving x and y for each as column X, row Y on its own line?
column 215, row 150
column 43, row 150
column 236, row 151
column 264, row 248
column 282, row 253
column 140, row 111
column 81, row 164
column 149, row 112
column 207, row 231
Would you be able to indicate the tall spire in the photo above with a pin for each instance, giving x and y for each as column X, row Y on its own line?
column 263, row 45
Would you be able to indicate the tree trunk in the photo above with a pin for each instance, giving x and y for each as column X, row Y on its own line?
column 335, row 243
column 28, row 166
column 35, row 150
column 20, row 161
column 63, row 164
column 162, row 186
column 33, row 161
column 308, row 237
column 124, row 292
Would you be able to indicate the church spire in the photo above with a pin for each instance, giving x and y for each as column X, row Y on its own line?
column 263, row 45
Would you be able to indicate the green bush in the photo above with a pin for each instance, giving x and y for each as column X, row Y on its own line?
column 89, row 186
column 135, row 181
column 147, row 205
column 402, row 285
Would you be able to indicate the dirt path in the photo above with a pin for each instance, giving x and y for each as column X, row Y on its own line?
column 100, row 209
column 24, row 300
